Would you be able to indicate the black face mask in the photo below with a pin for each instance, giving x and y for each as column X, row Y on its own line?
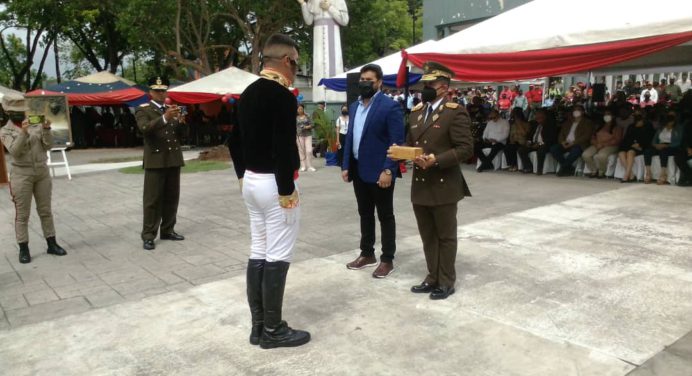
column 344, row 112
column 17, row 118
column 366, row 89
column 428, row 94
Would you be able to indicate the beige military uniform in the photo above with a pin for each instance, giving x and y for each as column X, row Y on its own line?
column 435, row 191
column 29, row 176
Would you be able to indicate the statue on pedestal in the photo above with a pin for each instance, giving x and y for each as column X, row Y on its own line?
column 327, row 61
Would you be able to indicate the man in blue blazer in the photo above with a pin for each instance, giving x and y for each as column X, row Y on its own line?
column 377, row 122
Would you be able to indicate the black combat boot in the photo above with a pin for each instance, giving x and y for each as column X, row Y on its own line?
column 24, row 255
column 255, row 270
column 54, row 248
column 276, row 332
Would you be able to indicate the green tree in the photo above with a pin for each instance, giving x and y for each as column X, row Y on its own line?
column 91, row 26
column 378, row 28
column 33, row 18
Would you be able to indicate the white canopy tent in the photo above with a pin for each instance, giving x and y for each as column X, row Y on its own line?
column 613, row 34
column 210, row 88
column 104, row 77
column 7, row 91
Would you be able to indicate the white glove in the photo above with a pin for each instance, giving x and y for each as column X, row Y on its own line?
column 290, row 215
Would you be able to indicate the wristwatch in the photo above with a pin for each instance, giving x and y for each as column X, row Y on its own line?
column 387, row 171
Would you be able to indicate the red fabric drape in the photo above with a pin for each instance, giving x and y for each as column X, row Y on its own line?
column 195, row 98
column 95, row 99
column 509, row 66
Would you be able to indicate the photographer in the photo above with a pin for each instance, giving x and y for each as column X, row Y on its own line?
column 27, row 140
column 160, row 125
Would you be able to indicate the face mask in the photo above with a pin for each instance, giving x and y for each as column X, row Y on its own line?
column 17, row 118
column 428, row 94
column 607, row 118
column 344, row 112
column 576, row 114
column 366, row 89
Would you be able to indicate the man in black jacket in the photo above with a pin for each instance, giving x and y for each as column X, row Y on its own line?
column 267, row 117
column 541, row 137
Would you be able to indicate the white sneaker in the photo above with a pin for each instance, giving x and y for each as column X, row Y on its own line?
column 302, row 169
column 312, row 169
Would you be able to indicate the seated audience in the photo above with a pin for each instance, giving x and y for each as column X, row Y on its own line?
column 518, row 133
column 666, row 143
column 604, row 143
column 494, row 137
column 541, row 137
column 637, row 138
column 574, row 138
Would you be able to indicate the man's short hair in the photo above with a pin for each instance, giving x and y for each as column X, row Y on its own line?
column 372, row 68
column 278, row 46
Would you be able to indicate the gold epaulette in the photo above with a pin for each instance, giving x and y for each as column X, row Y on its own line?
column 452, row 105
column 417, row 107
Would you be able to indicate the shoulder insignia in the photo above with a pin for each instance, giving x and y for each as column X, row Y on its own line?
column 452, row 105
column 417, row 107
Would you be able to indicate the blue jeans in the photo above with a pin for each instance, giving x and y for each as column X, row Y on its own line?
column 558, row 152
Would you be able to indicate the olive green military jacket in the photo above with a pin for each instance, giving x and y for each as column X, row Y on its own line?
column 28, row 149
column 447, row 134
column 161, row 139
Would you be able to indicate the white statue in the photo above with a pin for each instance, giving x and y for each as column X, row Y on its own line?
column 327, row 61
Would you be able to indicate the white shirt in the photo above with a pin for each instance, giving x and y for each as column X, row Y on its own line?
column 342, row 124
column 652, row 92
column 665, row 136
column 571, row 136
column 497, row 130
column 684, row 85
column 538, row 136
column 434, row 107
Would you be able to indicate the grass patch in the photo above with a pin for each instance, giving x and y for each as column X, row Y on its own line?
column 133, row 158
column 190, row 167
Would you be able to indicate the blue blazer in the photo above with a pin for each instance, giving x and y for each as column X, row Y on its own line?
column 383, row 127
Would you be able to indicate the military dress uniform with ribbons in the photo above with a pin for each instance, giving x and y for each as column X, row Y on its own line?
column 163, row 159
column 445, row 132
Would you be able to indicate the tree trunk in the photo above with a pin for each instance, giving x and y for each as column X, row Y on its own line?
column 29, row 60
column 57, row 58
column 39, row 72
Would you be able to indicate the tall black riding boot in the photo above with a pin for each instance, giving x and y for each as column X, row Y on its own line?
column 24, row 255
column 255, row 270
column 54, row 248
column 276, row 332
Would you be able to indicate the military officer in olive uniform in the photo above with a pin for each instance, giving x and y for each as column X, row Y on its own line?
column 443, row 129
column 27, row 144
column 163, row 158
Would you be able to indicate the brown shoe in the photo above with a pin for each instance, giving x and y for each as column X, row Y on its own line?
column 362, row 262
column 383, row 270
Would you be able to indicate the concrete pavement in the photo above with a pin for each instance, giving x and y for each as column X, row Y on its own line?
column 556, row 276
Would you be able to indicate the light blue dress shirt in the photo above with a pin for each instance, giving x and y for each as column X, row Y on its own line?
column 359, row 123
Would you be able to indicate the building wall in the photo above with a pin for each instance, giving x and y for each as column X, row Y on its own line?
column 443, row 17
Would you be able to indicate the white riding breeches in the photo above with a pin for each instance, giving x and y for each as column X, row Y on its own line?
column 274, row 229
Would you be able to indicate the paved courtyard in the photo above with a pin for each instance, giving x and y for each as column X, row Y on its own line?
column 564, row 276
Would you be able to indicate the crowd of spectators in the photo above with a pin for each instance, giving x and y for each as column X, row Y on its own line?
column 571, row 125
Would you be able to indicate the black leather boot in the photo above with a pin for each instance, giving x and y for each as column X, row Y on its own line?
column 54, row 248
column 255, row 270
column 276, row 332
column 24, row 255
